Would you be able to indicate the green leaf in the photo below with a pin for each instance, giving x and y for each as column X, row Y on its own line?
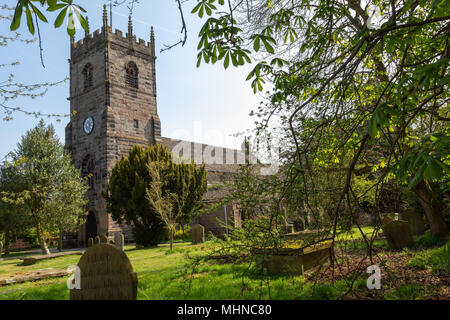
column 196, row 7
column 82, row 20
column 56, row 7
column 51, row 3
column 227, row 60
column 70, row 24
column 434, row 169
column 256, row 44
column 380, row 115
column 30, row 23
column 373, row 129
column 418, row 177
column 17, row 16
column 38, row 13
column 268, row 47
column 445, row 167
column 234, row 60
column 60, row 18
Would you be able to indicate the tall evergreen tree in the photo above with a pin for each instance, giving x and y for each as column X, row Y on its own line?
column 126, row 195
column 47, row 185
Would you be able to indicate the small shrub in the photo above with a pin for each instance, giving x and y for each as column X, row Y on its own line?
column 436, row 259
column 428, row 240
column 406, row 292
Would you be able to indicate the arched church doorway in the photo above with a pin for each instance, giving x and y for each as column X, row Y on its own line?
column 91, row 226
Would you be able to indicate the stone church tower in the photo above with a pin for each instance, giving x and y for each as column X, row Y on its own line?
column 113, row 107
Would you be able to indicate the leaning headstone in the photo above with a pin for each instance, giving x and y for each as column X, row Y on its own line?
column 119, row 240
column 398, row 234
column 106, row 273
column 388, row 217
column 90, row 242
column 198, row 234
column 415, row 222
column 97, row 240
column 103, row 239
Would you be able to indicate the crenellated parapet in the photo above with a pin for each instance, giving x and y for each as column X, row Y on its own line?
column 105, row 35
column 98, row 40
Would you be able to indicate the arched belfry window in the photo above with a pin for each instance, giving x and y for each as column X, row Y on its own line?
column 87, row 170
column 87, row 74
column 131, row 75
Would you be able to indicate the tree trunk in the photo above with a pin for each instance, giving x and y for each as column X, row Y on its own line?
column 60, row 241
column 171, row 239
column 433, row 210
column 41, row 239
column 7, row 241
column 182, row 232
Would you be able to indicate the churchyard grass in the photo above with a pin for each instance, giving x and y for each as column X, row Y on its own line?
column 162, row 276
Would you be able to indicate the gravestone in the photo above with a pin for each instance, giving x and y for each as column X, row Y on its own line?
column 106, row 274
column 198, row 234
column 103, row 239
column 90, row 242
column 364, row 219
column 415, row 222
column 388, row 217
column 97, row 240
column 398, row 234
column 119, row 240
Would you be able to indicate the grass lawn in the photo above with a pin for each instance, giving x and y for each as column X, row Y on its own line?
column 162, row 276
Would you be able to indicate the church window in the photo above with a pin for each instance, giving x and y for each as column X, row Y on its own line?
column 136, row 123
column 87, row 171
column 131, row 75
column 87, row 74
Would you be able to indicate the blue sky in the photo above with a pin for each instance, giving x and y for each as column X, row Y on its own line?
column 205, row 104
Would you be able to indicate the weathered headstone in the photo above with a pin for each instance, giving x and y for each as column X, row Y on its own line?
column 119, row 240
column 388, row 217
column 90, row 242
column 97, row 240
column 198, row 234
column 106, row 274
column 398, row 234
column 364, row 219
column 103, row 239
column 415, row 222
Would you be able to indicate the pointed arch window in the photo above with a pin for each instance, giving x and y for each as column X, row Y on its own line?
column 131, row 75
column 87, row 171
column 87, row 75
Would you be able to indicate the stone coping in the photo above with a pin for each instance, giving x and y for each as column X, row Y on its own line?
column 32, row 276
column 293, row 251
column 33, row 259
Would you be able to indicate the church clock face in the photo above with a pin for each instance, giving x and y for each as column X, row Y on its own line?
column 88, row 125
